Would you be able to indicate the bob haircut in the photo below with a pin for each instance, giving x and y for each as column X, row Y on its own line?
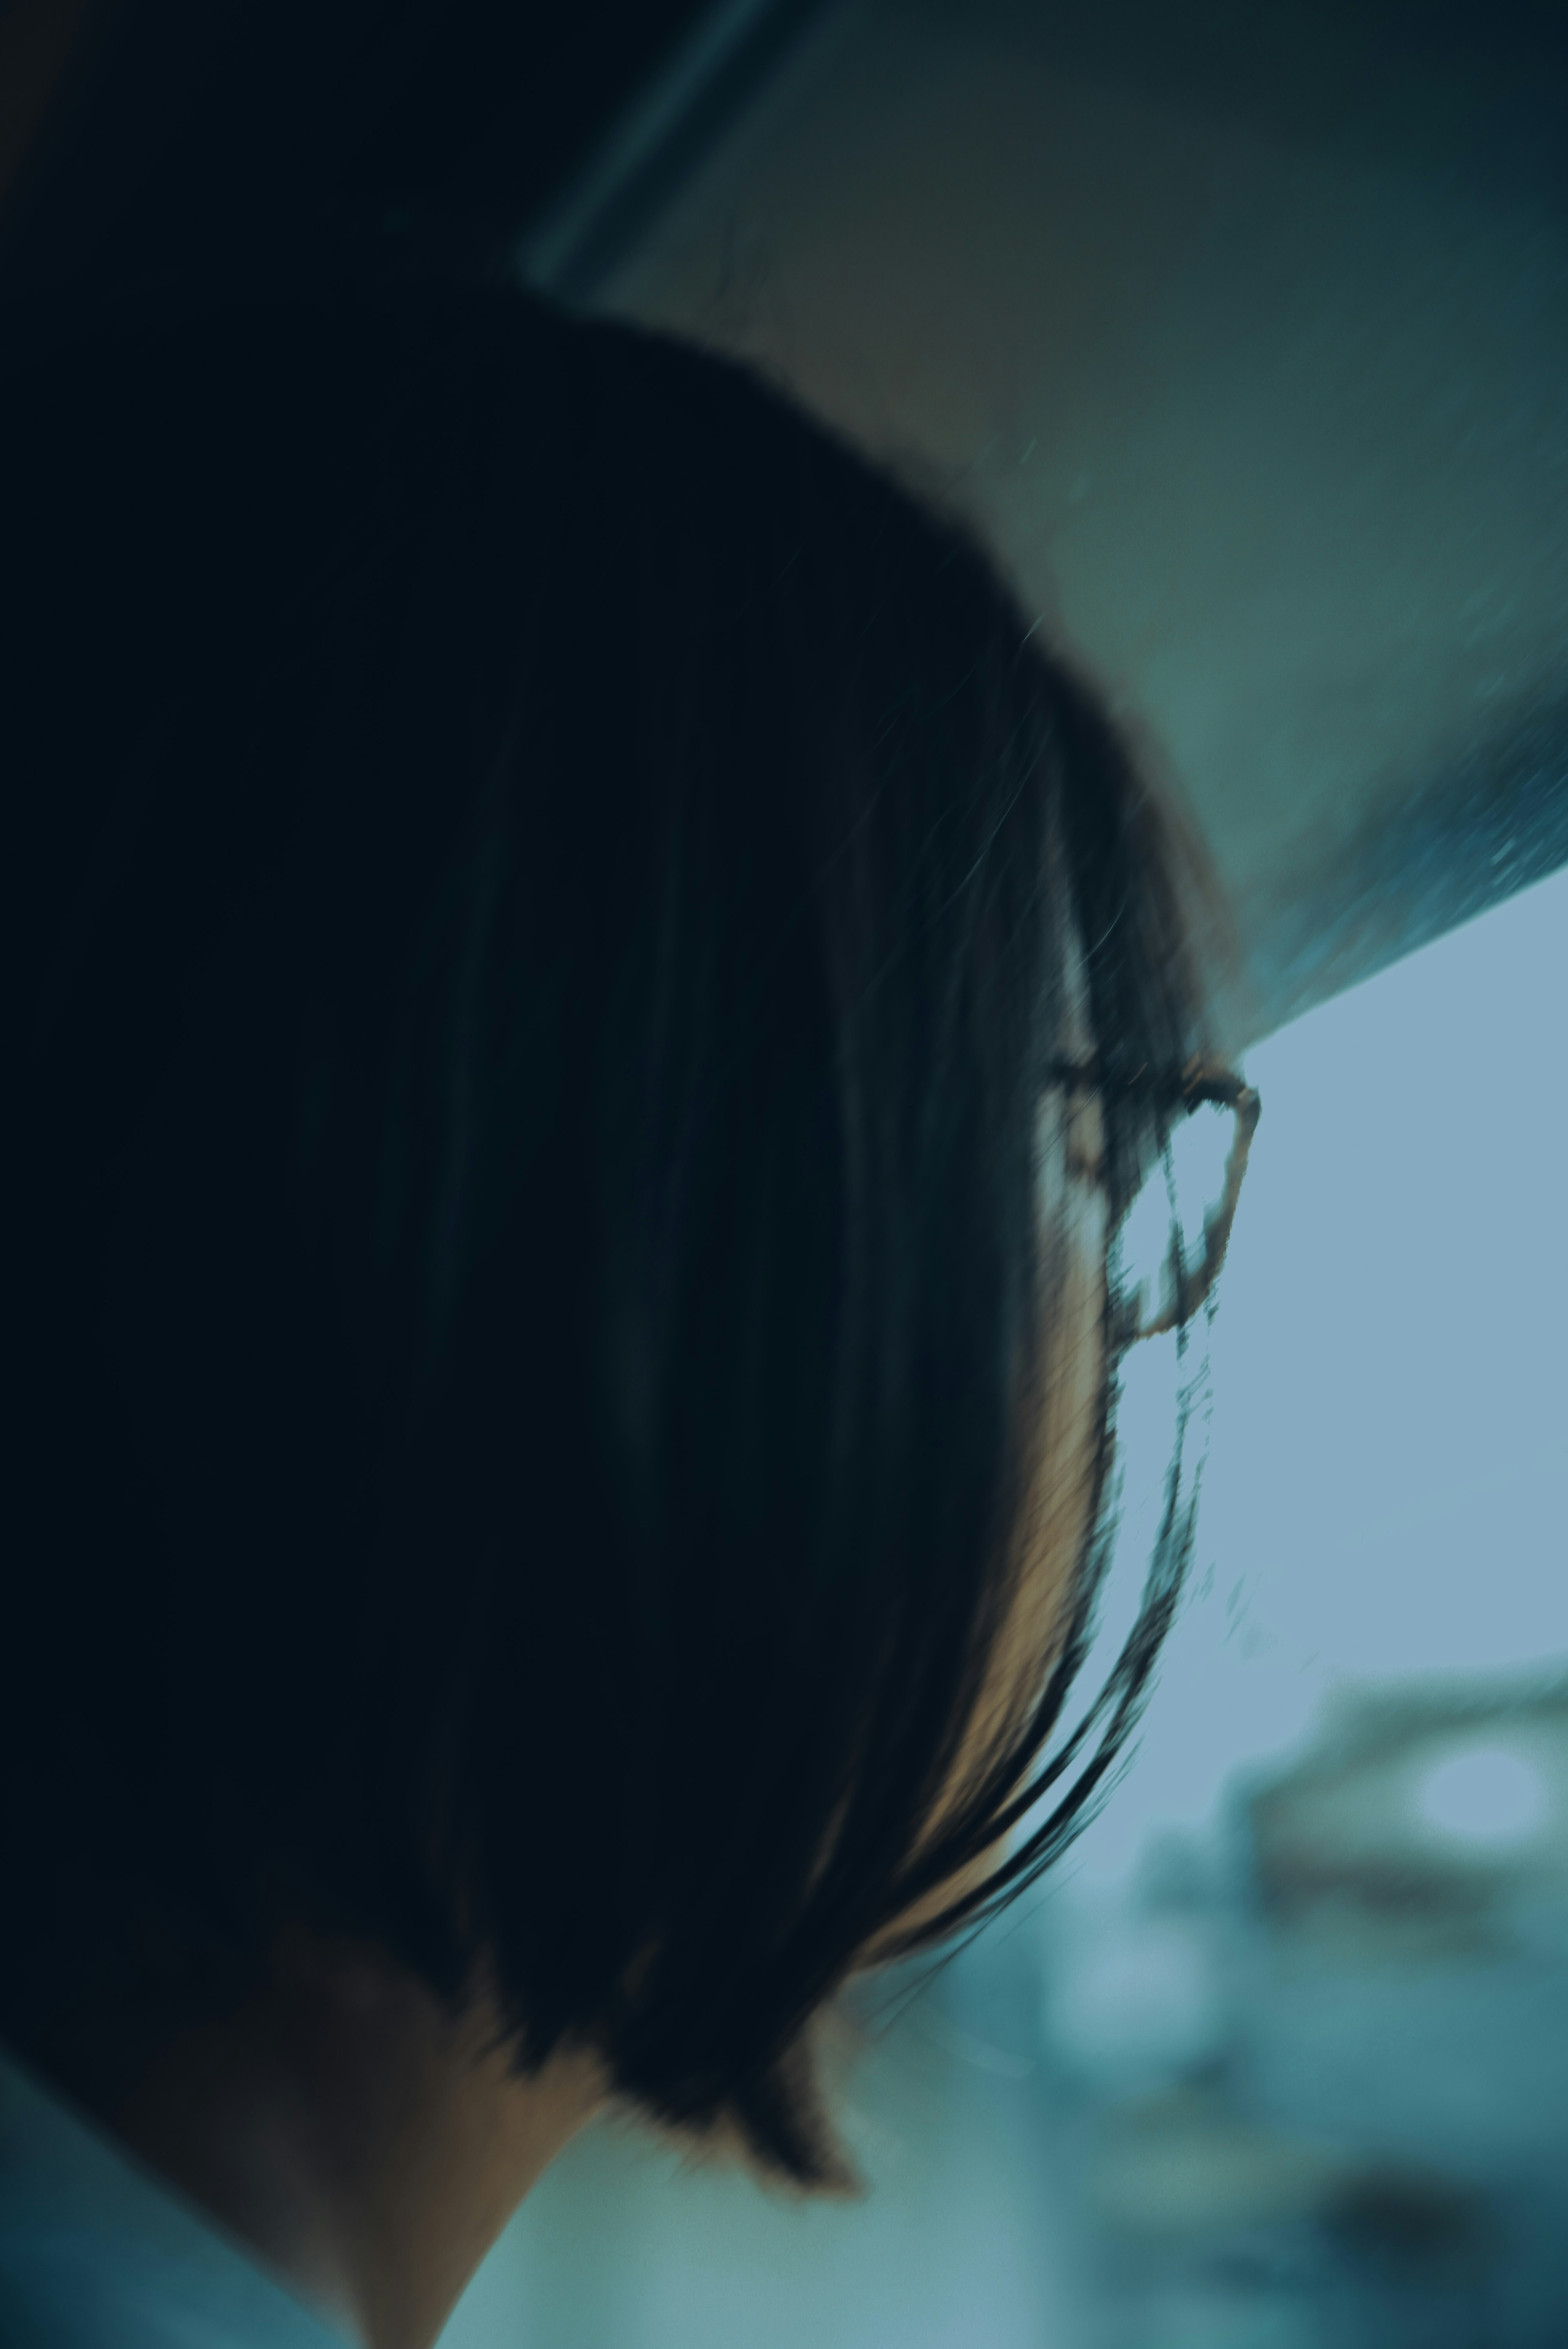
column 543, row 894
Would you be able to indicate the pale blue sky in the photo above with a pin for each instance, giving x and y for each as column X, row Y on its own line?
column 1387, row 1491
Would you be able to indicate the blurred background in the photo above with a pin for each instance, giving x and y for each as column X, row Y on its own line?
column 1242, row 332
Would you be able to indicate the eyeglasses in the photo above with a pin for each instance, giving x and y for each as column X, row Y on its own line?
column 1174, row 1099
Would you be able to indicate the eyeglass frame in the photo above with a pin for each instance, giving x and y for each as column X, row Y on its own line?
column 1197, row 1086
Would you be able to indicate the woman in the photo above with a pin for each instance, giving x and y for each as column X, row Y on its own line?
column 585, row 999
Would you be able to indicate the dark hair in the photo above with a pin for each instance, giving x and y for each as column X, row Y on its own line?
column 540, row 891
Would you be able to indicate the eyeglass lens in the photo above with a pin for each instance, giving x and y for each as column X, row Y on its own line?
column 1162, row 1252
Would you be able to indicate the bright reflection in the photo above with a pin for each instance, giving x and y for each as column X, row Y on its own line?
column 1141, row 2001
column 1487, row 1794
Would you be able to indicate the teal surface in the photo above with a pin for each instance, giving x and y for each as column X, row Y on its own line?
column 97, row 2253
